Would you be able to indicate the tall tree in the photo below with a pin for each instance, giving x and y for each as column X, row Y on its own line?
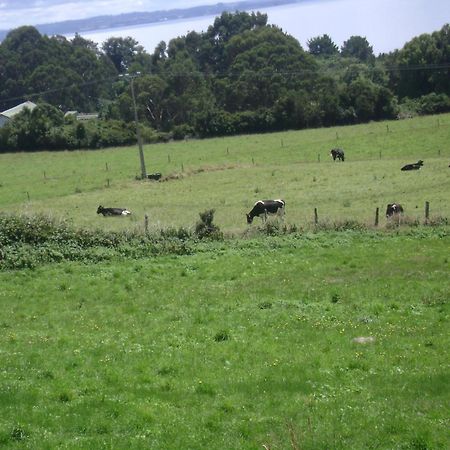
column 358, row 47
column 322, row 46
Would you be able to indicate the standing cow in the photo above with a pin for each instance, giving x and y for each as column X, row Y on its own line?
column 263, row 208
column 337, row 153
column 393, row 209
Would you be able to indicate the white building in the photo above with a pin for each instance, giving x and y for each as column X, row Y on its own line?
column 7, row 115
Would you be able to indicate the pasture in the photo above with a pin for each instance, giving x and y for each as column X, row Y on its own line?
column 242, row 344
column 305, row 340
column 230, row 174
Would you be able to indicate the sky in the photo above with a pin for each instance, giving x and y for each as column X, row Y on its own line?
column 387, row 24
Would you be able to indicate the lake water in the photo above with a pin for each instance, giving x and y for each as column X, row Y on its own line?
column 387, row 24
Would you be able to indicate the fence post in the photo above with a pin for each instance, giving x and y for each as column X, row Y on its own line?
column 427, row 211
column 146, row 223
column 316, row 217
column 318, row 157
column 377, row 215
column 107, row 167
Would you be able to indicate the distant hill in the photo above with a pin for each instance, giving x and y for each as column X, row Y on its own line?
column 140, row 18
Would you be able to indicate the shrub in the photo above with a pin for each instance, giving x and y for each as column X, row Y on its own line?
column 205, row 228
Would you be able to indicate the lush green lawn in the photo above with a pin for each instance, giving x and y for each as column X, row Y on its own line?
column 230, row 174
column 243, row 343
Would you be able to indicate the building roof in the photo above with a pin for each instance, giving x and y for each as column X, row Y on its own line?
column 17, row 109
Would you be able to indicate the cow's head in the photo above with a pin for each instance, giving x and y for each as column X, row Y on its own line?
column 393, row 208
column 100, row 209
column 249, row 218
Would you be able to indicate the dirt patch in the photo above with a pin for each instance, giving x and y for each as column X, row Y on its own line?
column 190, row 172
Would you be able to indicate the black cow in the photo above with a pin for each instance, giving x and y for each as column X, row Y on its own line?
column 337, row 153
column 415, row 166
column 113, row 211
column 262, row 208
column 393, row 209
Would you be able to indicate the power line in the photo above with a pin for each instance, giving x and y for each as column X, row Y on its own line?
column 231, row 74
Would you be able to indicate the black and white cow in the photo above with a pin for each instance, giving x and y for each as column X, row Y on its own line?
column 393, row 209
column 415, row 166
column 113, row 211
column 263, row 208
column 337, row 153
column 154, row 176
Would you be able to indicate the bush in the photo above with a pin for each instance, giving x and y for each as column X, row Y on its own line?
column 205, row 227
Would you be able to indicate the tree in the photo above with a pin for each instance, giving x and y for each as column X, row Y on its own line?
column 421, row 66
column 123, row 52
column 322, row 46
column 358, row 47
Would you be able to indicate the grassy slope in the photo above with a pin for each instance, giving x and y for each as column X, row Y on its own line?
column 239, row 345
column 71, row 185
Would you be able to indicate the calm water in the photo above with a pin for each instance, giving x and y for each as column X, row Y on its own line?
column 387, row 24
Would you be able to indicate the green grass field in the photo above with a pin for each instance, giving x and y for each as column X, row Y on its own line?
column 230, row 174
column 243, row 344
column 250, row 342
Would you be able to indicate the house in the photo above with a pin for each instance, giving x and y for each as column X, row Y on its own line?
column 7, row 115
column 81, row 116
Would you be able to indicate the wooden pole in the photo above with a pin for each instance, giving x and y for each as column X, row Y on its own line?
column 377, row 215
column 316, row 217
column 146, row 223
column 318, row 157
column 427, row 211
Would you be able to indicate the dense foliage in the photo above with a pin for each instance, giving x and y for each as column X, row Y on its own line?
column 240, row 76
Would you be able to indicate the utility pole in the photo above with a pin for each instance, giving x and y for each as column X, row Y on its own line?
column 138, row 130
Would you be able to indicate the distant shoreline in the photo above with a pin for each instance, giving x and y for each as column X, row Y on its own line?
column 104, row 23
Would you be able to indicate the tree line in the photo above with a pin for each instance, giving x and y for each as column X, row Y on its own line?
column 240, row 76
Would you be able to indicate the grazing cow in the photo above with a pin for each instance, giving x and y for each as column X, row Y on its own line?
column 262, row 208
column 337, row 153
column 113, row 211
column 415, row 166
column 393, row 209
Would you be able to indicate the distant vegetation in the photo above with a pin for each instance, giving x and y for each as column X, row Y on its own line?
column 240, row 76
